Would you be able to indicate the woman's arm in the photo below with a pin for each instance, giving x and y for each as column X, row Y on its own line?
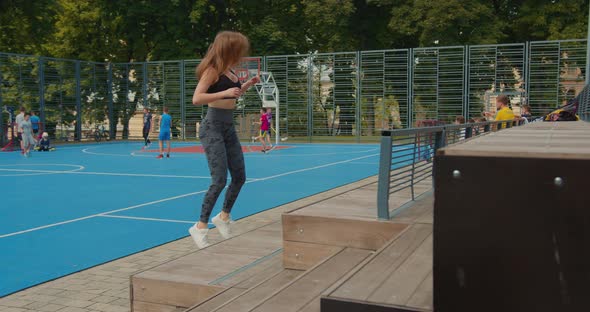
column 250, row 83
column 201, row 97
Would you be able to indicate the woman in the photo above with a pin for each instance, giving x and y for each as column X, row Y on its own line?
column 219, row 87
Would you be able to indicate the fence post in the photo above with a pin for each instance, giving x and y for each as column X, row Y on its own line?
column 413, row 167
column 309, row 97
column 78, row 136
column 183, row 100
column 487, row 128
column 384, row 176
column 468, row 132
column 439, row 142
column 112, row 122
column 41, row 69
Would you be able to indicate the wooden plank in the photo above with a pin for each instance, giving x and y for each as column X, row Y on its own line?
column 399, row 286
column 331, row 304
column 423, row 298
column 194, row 272
column 339, row 232
column 217, row 300
column 140, row 306
column 171, row 293
column 310, row 285
column 581, row 153
column 262, row 272
column 314, row 306
column 370, row 277
column 303, row 256
column 305, row 202
column 564, row 140
column 416, row 210
column 254, row 296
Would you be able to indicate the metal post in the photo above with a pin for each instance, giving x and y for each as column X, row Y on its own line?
column 182, row 100
column 112, row 122
column 357, row 107
column 413, row 166
column 468, row 132
column 384, row 176
column 410, row 87
column 487, row 128
column 439, row 140
column 144, row 86
column 588, row 50
column 78, row 104
column 277, row 116
column 41, row 69
column 309, row 97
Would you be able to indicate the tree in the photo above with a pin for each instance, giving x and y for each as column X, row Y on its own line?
column 25, row 25
column 450, row 22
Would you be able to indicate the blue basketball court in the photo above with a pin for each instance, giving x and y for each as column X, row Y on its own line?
column 84, row 205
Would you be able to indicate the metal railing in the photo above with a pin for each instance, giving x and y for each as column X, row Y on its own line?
column 406, row 158
column 584, row 103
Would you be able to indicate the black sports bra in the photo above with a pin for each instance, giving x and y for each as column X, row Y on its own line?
column 223, row 83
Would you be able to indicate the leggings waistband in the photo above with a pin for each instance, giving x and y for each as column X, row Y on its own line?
column 224, row 115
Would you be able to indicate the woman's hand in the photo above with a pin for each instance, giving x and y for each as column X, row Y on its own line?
column 232, row 93
column 255, row 80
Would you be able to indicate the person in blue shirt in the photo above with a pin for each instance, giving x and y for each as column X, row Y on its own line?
column 165, row 125
column 35, row 122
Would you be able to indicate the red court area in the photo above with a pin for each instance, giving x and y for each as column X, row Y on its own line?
column 199, row 149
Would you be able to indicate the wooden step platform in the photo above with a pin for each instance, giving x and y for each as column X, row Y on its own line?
column 240, row 299
column 288, row 290
column 349, row 220
column 235, row 263
column 398, row 277
column 303, row 294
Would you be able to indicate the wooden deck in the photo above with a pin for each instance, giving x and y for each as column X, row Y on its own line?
column 398, row 277
column 290, row 264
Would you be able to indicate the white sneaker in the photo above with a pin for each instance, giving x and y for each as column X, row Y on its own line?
column 222, row 226
column 199, row 236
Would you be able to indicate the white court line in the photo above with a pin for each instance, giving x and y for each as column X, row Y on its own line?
column 38, row 172
column 147, row 219
column 364, row 163
column 177, row 197
column 101, row 154
column 313, row 168
column 107, row 174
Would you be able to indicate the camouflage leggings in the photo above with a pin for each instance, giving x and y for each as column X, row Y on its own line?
column 223, row 151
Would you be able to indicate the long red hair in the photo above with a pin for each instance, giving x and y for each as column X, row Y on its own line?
column 224, row 53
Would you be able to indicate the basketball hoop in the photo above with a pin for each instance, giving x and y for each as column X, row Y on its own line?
column 249, row 67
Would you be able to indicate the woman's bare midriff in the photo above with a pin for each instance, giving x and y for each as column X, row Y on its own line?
column 224, row 104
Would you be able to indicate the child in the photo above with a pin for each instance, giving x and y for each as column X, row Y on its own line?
column 264, row 128
column 165, row 128
column 45, row 143
column 27, row 133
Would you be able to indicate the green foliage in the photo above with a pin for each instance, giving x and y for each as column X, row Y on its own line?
column 131, row 30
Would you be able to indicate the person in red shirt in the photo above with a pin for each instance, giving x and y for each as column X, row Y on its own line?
column 264, row 131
